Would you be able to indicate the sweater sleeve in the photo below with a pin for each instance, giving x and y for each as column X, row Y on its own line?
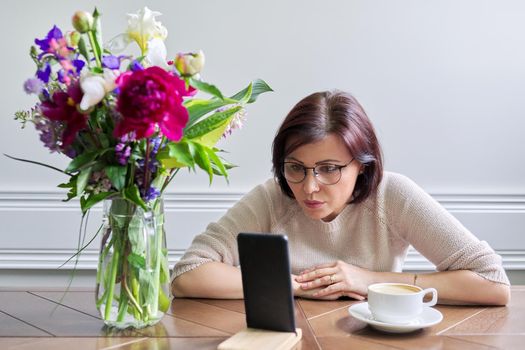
column 218, row 242
column 436, row 234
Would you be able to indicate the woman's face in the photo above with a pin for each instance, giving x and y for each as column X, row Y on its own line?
column 320, row 201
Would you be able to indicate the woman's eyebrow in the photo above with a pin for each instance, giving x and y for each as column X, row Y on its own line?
column 319, row 162
column 294, row 159
column 328, row 161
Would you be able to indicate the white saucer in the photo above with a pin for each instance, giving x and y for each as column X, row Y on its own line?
column 428, row 318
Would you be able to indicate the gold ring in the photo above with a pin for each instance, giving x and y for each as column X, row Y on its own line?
column 332, row 279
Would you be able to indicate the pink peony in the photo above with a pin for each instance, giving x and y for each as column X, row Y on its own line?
column 152, row 97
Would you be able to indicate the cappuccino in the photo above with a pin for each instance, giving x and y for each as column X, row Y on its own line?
column 395, row 289
column 398, row 303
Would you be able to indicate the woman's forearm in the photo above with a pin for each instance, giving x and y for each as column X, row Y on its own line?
column 210, row 280
column 455, row 287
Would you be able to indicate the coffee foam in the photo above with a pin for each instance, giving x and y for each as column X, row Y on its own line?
column 396, row 289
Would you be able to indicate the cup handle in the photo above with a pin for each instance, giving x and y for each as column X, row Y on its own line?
column 434, row 296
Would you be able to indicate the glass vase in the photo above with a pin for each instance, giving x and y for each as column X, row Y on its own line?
column 133, row 279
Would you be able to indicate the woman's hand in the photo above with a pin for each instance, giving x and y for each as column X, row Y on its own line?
column 301, row 293
column 334, row 280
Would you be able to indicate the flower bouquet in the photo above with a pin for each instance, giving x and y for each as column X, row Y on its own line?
column 129, row 124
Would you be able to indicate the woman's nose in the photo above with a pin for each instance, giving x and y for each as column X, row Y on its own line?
column 310, row 184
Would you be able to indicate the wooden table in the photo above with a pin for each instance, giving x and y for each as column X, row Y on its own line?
column 39, row 319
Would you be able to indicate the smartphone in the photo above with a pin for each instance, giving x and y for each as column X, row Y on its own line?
column 266, row 281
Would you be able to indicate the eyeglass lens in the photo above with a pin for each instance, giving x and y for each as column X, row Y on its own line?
column 327, row 174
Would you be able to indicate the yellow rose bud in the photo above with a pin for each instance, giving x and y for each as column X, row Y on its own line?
column 82, row 21
column 73, row 38
column 189, row 64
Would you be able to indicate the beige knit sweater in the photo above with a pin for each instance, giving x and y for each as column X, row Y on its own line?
column 374, row 234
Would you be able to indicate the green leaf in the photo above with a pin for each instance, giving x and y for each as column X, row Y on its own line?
column 247, row 94
column 91, row 200
column 211, row 123
column 135, row 233
column 206, row 87
column 147, row 290
column 117, row 175
column 259, row 86
column 137, row 261
column 226, row 165
column 211, row 138
column 159, row 181
column 82, row 48
column 83, row 178
column 82, row 160
column 104, row 140
column 176, row 155
column 72, row 185
column 132, row 194
column 217, row 161
column 66, row 185
column 199, row 107
column 203, row 160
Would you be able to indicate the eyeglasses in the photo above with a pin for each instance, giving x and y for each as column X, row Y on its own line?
column 327, row 174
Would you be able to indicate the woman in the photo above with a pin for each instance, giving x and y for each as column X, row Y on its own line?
column 349, row 224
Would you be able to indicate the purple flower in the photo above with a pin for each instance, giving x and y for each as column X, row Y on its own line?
column 44, row 73
column 135, row 66
column 155, row 143
column 78, row 64
column 46, row 95
column 111, row 62
column 70, row 152
column 45, row 44
column 54, row 46
column 54, row 43
column 50, row 132
column 33, row 86
column 63, row 77
column 70, row 70
column 152, row 165
column 128, row 137
column 139, row 177
column 122, row 152
column 151, row 194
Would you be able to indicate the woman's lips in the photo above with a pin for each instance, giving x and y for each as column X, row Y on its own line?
column 313, row 204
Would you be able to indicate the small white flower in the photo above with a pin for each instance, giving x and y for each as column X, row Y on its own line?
column 96, row 86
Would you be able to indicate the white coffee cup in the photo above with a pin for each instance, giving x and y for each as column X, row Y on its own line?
column 398, row 302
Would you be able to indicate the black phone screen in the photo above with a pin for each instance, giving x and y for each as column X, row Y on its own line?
column 266, row 281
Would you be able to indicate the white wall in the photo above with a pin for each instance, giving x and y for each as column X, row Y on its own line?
column 443, row 81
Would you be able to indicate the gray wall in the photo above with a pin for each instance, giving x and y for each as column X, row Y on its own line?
column 443, row 81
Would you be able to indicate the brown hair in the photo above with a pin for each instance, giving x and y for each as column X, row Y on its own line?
column 331, row 112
